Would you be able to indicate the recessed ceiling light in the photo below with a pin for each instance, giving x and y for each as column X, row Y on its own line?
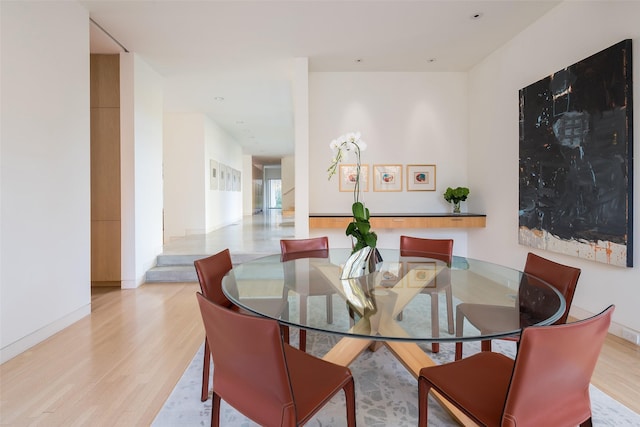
column 218, row 98
column 476, row 15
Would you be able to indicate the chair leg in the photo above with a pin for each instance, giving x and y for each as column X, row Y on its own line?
column 303, row 340
column 587, row 423
column 423, row 401
column 329, row 309
column 485, row 345
column 205, row 371
column 458, row 354
column 435, row 322
column 459, row 328
column 350, row 400
column 303, row 319
column 215, row 410
column 449, row 297
column 284, row 329
column 285, row 333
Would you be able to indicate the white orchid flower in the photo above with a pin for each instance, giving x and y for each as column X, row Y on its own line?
column 343, row 146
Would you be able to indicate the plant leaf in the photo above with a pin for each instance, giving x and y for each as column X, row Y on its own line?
column 363, row 226
column 371, row 239
column 358, row 210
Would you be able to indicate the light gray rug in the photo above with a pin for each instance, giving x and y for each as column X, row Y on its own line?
column 386, row 394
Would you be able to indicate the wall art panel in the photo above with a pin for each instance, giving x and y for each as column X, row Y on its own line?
column 576, row 159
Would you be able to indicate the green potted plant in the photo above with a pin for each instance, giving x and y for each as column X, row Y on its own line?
column 455, row 196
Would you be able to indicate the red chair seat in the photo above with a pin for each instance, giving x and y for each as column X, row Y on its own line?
column 546, row 385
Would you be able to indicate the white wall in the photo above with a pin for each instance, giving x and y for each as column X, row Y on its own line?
column 301, row 115
column 141, row 165
column 405, row 118
column 191, row 140
column 184, row 204
column 222, row 207
column 567, row 34
column 247, row 185
column 45, row 232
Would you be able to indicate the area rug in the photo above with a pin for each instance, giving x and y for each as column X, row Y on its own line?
column 386, row 393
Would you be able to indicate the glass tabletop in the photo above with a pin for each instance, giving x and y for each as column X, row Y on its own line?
column 406, row 299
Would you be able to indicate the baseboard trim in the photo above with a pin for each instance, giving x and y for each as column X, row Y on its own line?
column 24, row 344
column 614, row 329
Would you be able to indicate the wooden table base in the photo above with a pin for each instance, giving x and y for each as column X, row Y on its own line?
column 384, row 322
column 409, row 354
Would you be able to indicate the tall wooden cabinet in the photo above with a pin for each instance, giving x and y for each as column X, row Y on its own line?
column 105, row 171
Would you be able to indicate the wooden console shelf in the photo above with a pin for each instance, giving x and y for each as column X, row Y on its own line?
column 402, row 221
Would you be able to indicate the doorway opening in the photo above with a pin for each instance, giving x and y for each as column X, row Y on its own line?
column 274, row 194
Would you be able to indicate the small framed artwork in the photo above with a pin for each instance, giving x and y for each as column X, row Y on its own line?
column 391, row 277
column 349, row 174
column 223, row 176
column 213, row 174
column 236, row 180
column 229, row 179
column 422, row 274
column 387, row 177
column 421, row 177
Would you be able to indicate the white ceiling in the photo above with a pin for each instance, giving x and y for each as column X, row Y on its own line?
column 242, row 51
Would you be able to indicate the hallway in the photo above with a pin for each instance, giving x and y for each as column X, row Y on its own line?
column 259, row 233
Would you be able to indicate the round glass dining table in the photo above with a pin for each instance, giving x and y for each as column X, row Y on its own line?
column 406, row 301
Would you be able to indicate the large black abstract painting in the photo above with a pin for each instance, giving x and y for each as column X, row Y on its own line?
column 576, row 159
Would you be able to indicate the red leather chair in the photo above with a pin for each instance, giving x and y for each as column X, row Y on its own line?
column 210, row 272
column 267, row 380
column 546, row 385
column 440, row 249
column 288, row 246
column 562, row 277
column 317, row 247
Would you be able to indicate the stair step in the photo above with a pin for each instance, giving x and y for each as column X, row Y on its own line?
column 180, row 268
column 167, row 260
column 173, row 273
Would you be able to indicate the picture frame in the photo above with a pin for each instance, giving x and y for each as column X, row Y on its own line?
column 421, row 177
column 214, row 173
column 392, row 276
column 387, row 177
column 222, row 176
column 229, row 176
column 347, row 174
column 420, row 272
column 237, row 180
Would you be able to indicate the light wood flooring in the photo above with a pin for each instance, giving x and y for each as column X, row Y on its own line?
column 117, row 366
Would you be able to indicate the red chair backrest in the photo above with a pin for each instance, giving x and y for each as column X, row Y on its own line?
column 250, row 369
column 315, row 247
column 562, row 277
column 210, row 271
column 441, row 249
column 553, row 369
